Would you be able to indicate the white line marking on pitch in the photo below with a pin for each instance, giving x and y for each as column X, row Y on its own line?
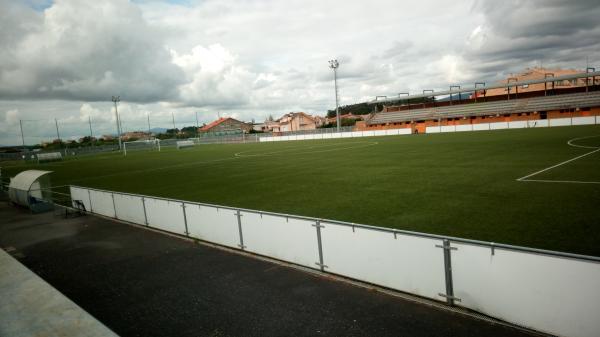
column 557, row 165
column 570, row 143
column 561, row 181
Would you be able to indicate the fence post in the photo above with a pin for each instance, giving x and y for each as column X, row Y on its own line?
column 239, row 221
column 145, row 214
column 449, row 295
column 318, row 226
column 187, row 233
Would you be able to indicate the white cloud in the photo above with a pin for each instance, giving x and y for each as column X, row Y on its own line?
column 11, row 117
column 87, row 50
column 214, row 78
column 254, row 58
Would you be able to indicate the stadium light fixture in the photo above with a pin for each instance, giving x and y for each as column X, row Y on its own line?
column 407, row 100
column 484, row 91
column 432, row 96
column 334, row 64
column 452, row 87
column 587, row 79
column 115, row 100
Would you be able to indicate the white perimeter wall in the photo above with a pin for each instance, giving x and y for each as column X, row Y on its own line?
column 538, row 123
column 446, row 128
column 557, row 295
column 353, row 134
column 406, row 263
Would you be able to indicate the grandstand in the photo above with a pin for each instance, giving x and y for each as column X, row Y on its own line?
column 545, row 104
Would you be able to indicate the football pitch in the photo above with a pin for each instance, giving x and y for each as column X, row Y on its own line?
column 532, row 187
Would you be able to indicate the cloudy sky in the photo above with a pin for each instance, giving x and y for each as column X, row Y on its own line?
column 64, row 59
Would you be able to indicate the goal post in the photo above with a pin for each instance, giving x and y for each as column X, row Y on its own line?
column 151, row 144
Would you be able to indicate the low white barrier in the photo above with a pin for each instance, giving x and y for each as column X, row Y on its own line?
column 384, row 258
column 517, row 125
column 334, row 135
column 404, row 131
column 498, row 125
column 447, row 128
column 102, row 203
column 584, row 120
column 556, row 295
column 553, row 292
column 129, row 208
column 537, row 123
column 213, row 224
column 464, row 127
column 184, row 143
column 50, row 156
column 560, row 122
column 292, row 240
column 481, row 127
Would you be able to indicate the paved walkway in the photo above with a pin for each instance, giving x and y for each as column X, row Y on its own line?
column 142, row 283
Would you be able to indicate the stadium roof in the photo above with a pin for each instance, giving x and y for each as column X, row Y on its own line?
column 484, row 87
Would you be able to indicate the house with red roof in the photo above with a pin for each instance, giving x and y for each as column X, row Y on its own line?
column 295, row 121
column 226, row 125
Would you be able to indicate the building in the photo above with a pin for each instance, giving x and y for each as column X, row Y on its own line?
column 538, row 74
column 533, row 100
column 135, row 135
column 345, row 116
column 294, row 121
column 226, row 125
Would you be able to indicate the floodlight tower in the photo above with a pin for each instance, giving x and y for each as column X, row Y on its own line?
column 334, row 64
column 117, row 99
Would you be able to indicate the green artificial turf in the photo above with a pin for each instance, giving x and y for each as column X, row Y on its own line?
column 458, row 184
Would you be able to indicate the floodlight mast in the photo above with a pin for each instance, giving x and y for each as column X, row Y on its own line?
column 117, row 99
column 334, row 64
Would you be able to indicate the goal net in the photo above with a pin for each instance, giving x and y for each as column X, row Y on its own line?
column 140, row 145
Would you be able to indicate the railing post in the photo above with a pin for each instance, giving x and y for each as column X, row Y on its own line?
column 187, row 233
column 90, row 197
column 321, row 264
column 114, row 206
column 145, row 214
column 449, row 295
column 239, row 221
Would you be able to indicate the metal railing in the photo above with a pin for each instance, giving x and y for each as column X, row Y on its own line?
column 429, row 265
column 490, row 245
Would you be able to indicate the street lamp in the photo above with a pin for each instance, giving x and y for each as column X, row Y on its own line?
column 334, row 64
column 117, row 99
